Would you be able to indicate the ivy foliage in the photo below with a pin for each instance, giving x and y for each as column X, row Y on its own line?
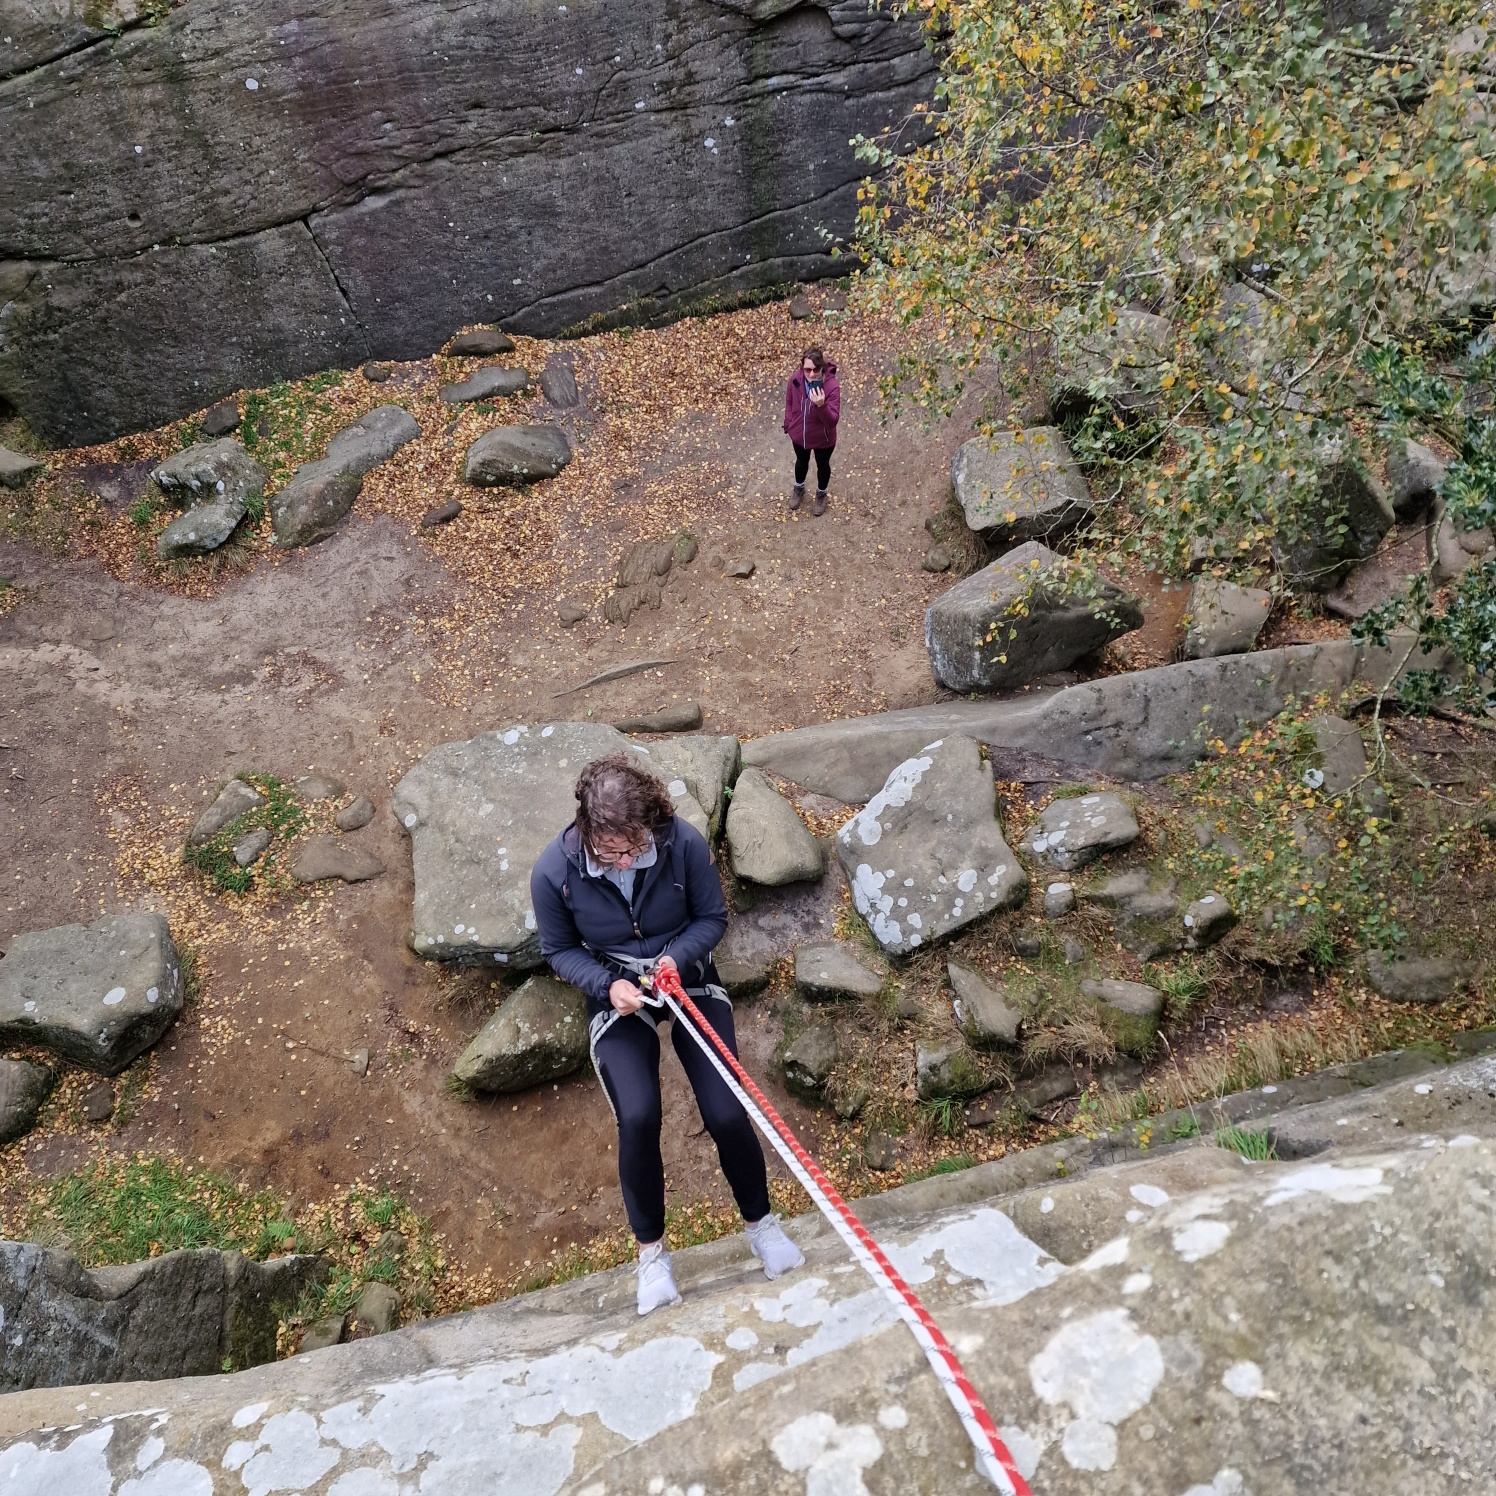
column 1233, row 241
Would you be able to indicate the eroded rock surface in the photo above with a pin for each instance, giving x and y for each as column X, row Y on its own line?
column 766, row 839
column 538, row 1034
column 926, row 856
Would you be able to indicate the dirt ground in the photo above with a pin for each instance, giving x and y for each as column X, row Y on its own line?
column 131, row 691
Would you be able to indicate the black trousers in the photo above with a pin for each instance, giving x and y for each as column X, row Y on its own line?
column 628, row 1063
column 823, row 463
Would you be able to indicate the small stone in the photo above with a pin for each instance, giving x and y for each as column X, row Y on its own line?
column 800, row 309
column 377, row 373
column 317, row 786
column 324, row 857
column 358, row 1062
column 510, row 456
column 1209, row 919
column 1204, row 836
column 809, row 1060
column 1074, row 832
column 850, row 1104
column 443, row 514
column 1129, row 1011
column 1123, row 1074
column 16, row 469
column 356, row 816
column 982, row 1010
column 906, row 1009
column 744, row 568
column 686, row 549
column 571, row 613
column 1414, row 978
column 98, row 1102
column 829, row 971
column 324, row 1333
column 834, row 301
column 881, row 1152
column 1075, row 951
column 682, row 716
column 481, row 342
column 558, row 382
column 745, row 979
column 390, row 1246
column 23, row 1088
column 221, row 418
column 1028, row 944
column 234, row 800
column 249, row 849
column 1054, row 1084
column 377, row 1309
column 203, row 528
column 486, row 384
column 945, row 1070
column 1059, row 900
column 938, row 558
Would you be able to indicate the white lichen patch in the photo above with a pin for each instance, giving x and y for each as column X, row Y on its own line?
column 1201, row 1239
column 897, row 790
column 1113, row 1254
column 1226, row 1483
column 832, row 1455
column 1352, row 1186
column 1243, row 1379
column 985, row 1245
column 79, row 1467
column 1150, row 1195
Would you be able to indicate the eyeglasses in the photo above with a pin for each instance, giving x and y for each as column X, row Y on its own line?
column 613, row 858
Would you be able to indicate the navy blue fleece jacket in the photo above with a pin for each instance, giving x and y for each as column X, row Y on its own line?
column 677, row 910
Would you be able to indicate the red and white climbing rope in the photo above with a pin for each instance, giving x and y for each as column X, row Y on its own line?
column 993, row 1456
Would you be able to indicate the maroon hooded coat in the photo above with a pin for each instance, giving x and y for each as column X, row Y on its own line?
column 809, row 425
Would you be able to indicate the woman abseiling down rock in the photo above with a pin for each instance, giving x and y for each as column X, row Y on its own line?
column 628, row 885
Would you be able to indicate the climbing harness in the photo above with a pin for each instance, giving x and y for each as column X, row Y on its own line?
column 663, row 988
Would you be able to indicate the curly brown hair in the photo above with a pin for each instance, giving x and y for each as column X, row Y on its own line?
column 616, row 797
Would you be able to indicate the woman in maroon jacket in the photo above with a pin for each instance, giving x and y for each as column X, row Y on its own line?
column 812, row 407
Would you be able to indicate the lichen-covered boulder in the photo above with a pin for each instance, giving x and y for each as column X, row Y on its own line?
column 1224, row 618
column 97, row 994
column 538, row 1034
column 209, row 471
column 983, row 1011
column 1020, row 485
column 1020, row 618
column 1073, row 832
column 926, row 856
column 201, row 529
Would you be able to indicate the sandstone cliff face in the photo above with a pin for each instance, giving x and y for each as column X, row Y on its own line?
column 227, row 193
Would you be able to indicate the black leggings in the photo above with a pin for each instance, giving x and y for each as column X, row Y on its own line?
column 823, row 464
column 628, row 1063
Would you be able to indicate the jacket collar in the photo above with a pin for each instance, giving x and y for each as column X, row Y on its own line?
column 576, row 855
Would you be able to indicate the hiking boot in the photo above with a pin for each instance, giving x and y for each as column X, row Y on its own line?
column 819, row 507
column 656, row 1281
column 767, row 1241
column 797, row 497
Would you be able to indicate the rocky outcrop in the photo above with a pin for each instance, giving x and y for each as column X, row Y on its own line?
column 479, row 812
column 1019, row 485
column 185, row 1314
column 531, row 167
column 1137, row 1319
column 1020, row 618
column 1139, row 725
column 926, row 856
column 538, row 1034
column 98, row 995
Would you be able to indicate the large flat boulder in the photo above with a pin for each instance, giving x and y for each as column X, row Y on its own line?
column 830, row 970
column 510, row 456
column 1020, row 485
column 1018, row 619
column 98, row 995
column 539, row 1033
column 766, row 839
column 478, row 814
column 926, row 855
column 1140, row 725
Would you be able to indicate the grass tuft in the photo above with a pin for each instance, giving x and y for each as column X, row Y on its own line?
column 282, row 814
column 1251, row 1143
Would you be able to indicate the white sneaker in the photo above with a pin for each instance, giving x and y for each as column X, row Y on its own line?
column 773, row 1248
column 656, row 1281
